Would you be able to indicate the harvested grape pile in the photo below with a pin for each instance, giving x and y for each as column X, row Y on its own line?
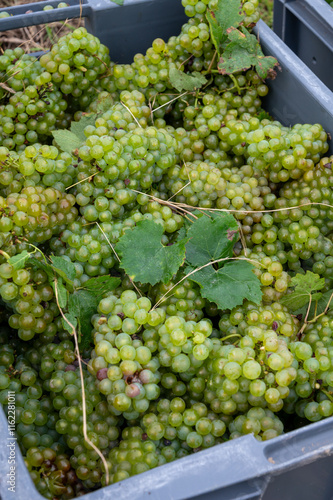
column 166, row 262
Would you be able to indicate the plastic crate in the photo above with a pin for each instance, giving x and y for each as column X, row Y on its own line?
column 148, row 19
column 306, row 26
column 295, row 465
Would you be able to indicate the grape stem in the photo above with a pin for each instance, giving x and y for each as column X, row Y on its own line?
column 212, row 62
column 306, row 316
column 306, row 321
column 330, row 397
column 168, row 203
column 232, row 335
column 121, row 102
column 169, row 102
column 85, row 179
column 236, row 84
column 8, row 89
column 84, row 409
column 5, row 254
column 210, row 263
column 117, row 256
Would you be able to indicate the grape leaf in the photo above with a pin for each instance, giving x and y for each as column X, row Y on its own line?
column 211, row 237
column 83, row 305
column 58, row 286
column 104, row 103
column 227, row 14
column 324, row 301
column 265, row 115
column 182, row 81
column 78, row 127
column 69, row 140
column 317, row 306
column 18, row 261
column 144, row 258
column 41, row 264
column 102, row 284
column 66, row 140
column 309, row 282
column 298, row 299
column 242, row 52
column 64, row 268
column 230, row 285
column 304, row 285
column 72, row 319
column 59, row 266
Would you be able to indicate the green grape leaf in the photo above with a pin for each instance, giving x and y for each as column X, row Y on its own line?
column 72, row 320
column 298, row 300
column 182, row 81
column 104, row 103
column 64, row 268
column 70, row 140
column 242, row 52
column 144, row 258
column 59, row 266
column 324, row 302
column 227, row 14
column 264, row 115
column 304, row 284
column 66, row 140
column 230, row 285
column 83, row 305
column 18, row 261
column 101, row 285
column 309, row 282
column 78, row 127
column 58, row 286
column 212, row 237
column 317, row 306
column 44, row 266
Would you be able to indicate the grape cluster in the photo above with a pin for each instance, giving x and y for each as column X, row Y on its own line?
column 34, row 214
column 36, row 165
column 263, row 423
column 180, row 297
column 17, row 71
column 74, row 63
column 124, row 366
column 31, row 114
column 135, row 454
column 166, row 372
column 269, row 262
column 285, row 152
column 28, row 294
column 113, row 170
column 52, row 473
column 305, row 229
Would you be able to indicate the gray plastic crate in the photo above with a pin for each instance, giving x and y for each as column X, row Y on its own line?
column 306, row 26
column 292, row 466
column 148, row 19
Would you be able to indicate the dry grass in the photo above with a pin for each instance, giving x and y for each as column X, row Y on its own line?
column 266, row 11
column 35, row 38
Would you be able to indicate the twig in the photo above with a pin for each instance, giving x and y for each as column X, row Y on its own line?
column 306, row 317
column 85, row 179
column 174, row 99
column 121, row 102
